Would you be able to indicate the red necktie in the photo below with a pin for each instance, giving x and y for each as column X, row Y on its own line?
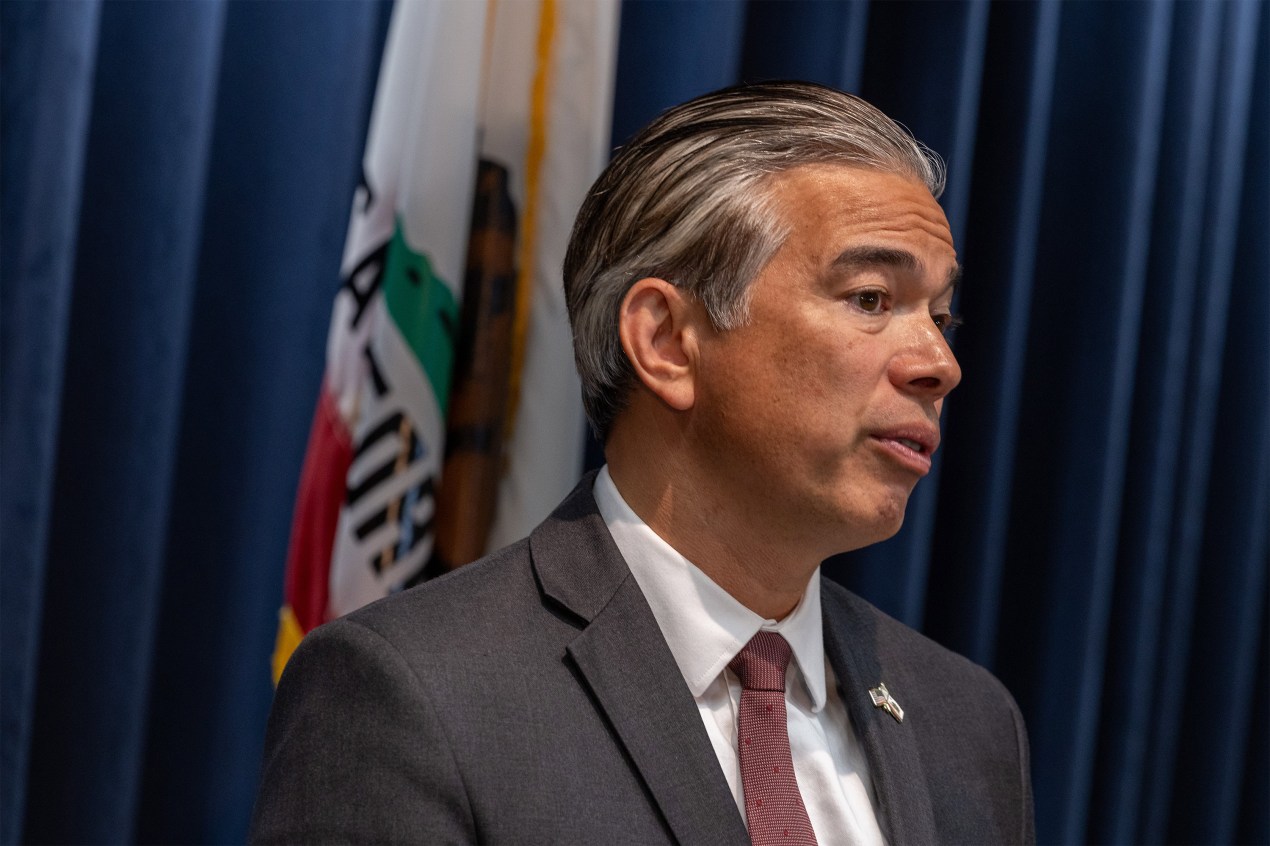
column 774, row 808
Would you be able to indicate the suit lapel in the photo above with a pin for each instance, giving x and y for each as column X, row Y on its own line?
column 630, row 670
column 624, row 660
column 894, row 758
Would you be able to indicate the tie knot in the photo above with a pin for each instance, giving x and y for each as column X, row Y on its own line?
column 761, row 664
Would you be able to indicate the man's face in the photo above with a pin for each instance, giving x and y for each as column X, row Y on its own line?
column 821, row 413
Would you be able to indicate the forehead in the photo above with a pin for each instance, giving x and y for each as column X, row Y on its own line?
column 831, row 206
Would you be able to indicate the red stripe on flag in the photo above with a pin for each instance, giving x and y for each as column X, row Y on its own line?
column 317, row 513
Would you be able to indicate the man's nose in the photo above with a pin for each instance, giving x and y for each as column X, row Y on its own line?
column 926, row 365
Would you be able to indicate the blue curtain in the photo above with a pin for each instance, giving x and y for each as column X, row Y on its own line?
column 175, row 181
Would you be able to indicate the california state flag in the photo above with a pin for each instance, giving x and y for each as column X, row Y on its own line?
column 548, row 116
column 364, row 511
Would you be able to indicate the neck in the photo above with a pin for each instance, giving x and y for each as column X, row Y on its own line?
column 713, row 528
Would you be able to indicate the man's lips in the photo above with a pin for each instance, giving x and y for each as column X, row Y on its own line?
column 911, row 446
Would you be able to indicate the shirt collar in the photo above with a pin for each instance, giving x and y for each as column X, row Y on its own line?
column 704, row 626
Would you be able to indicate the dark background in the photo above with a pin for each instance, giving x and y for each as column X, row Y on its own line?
column 175, row 186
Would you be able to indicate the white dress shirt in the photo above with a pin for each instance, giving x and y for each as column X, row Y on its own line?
column 705, row 628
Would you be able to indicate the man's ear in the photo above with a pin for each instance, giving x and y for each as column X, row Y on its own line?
column 658, row 327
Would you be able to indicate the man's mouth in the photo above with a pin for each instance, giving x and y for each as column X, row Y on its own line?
column 910, row 446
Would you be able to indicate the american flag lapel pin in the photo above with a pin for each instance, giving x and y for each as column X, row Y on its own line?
column 883, row 699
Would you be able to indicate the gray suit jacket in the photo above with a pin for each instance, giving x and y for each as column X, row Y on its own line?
column 530, row 698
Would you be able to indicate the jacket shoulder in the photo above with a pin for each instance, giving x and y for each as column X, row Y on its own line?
column 965, row 722
column 898, row 643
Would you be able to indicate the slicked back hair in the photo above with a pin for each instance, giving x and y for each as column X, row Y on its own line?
column 688, row 200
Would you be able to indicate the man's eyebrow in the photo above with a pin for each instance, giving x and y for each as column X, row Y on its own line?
column 861, row 257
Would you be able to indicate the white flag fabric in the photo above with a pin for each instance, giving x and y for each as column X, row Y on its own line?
column 548, row 104
column 535, row 76
column 420, row 165
column 363, row 518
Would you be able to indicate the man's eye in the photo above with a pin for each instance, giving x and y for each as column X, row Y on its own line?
column 946, row 322
column 869, row 301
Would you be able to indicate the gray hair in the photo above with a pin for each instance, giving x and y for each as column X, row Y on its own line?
column 688, row 201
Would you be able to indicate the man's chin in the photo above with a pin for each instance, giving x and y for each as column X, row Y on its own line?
column 861, row 530
column 883, row 523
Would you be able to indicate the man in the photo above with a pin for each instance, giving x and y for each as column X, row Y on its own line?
column 758, row 286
